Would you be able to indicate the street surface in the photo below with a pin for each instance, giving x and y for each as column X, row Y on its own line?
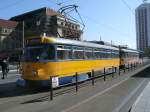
column 114, row 95
column 142, row 103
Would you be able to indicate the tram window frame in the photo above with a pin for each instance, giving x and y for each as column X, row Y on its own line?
column 117, row 53
column 108, row 52
column 96, row 53
column 88, row 56
column 66, row 50
column 77, row 48
column 102, row 53
column 105, row 55
column 113, row 53
column 125, row 55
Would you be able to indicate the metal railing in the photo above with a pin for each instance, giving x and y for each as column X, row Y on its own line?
column 105, row 73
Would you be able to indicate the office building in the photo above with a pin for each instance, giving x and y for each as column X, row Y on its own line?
column 143, row 26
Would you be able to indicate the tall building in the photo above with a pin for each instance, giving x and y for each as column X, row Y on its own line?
column 143, row 26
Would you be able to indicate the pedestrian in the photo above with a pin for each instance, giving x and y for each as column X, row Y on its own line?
column 4, row 66
column 1, row 62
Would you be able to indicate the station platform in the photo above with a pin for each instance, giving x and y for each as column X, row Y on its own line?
column 142, row 104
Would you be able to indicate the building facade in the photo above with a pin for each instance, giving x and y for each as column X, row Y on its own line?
column 6, row 30
column 47, row 21
column 36, row 23
column 143, row 26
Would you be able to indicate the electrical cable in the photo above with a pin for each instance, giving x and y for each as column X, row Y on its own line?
column 10, row 5
column 126, row 4
column 107, row 26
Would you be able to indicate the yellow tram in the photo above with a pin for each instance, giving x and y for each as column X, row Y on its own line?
column 128, row 56
column 48, row 56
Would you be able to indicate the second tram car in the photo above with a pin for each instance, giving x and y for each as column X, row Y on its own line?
column 128, row 56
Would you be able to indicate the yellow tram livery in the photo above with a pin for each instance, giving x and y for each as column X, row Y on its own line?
column 48, row 56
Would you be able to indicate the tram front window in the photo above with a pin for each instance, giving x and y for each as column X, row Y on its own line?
column 39, row 53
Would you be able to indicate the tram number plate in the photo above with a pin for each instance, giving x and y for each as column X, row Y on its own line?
column 55, row 82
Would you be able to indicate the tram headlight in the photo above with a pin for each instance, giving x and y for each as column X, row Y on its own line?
column 34, row 72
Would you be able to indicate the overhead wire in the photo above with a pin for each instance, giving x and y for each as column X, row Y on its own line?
column 80, row 18
column 127, row 5
column 72, row 8
column 52, row 2
column 60, row 3
column 105, row 25
column 98, row 23
column 10, row 5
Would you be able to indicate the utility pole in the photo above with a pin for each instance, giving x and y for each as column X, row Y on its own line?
column 100, row 38
column 23, row 36
column 111, row 42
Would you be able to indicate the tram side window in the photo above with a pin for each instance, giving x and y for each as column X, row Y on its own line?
column 123, row 54
column 64, row 52
column 104, row 54
column 78, row 53
column 101, row 55
column 96, row 53
column 113, row 54
column 88, row 53
column 116, row 54
column 108, row 53
column 127, row 55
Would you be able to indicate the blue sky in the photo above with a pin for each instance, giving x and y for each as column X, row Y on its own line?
column 108, row 19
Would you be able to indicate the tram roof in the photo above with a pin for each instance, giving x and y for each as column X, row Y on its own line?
column 77, row 43
column 131, row 50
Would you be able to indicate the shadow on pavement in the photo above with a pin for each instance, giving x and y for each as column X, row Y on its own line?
column 41, row 99
column 143, row 74
column 11, row 90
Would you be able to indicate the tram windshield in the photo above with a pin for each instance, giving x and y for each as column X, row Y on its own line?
column 39, row 53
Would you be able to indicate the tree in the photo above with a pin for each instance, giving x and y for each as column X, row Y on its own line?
column 147, row 52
